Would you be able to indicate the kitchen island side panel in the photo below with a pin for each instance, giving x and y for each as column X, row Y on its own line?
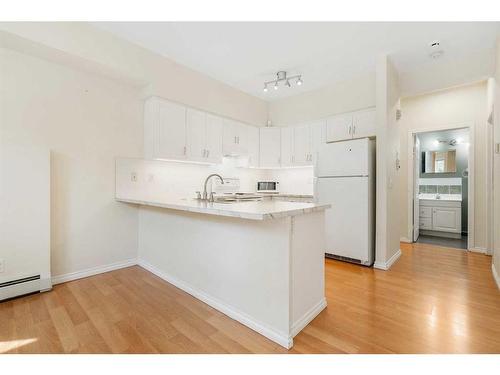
column 240, row 267
column 307, row 269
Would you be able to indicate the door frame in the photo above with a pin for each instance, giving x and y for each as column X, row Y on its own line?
column 470, row 181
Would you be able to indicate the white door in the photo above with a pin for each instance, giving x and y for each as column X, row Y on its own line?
column 339, row 128
column 229, row 138
column 416, row 176
column 214, row 139
column 364, row 124
column 348, row 158
column 301, row 145
column 171, row 132
column 447, row 219
column 347, row 222
column 270, row 147
column 196, row 135
column 286, row 146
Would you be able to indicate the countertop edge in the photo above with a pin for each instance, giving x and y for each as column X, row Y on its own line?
column 218, row 212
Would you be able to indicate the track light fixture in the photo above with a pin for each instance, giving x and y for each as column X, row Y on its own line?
column 280, row 77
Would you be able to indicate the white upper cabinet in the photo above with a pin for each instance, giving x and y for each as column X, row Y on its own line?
column 286, row 146
column 364, row 124
column 196, row 124
column 339, row 128
column 253, row 146
column 318, row 137
column 270, row 147
column 301, row 145
column 360, row 124
column 242, row 138
column 230, row 137
column 214, row 138
column 170, row 131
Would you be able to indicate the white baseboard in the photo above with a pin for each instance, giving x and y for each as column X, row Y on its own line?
column 93, row 271
column 386, row 265
column 27, row 287
column 495, row 275
column 300, row 324
column 263, row 329
column 404, row 239
column 480, row 250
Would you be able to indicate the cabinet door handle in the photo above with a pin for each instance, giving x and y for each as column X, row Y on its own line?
column 350, row 128
column 354, row 129
column 184, row 150
column 208, row 153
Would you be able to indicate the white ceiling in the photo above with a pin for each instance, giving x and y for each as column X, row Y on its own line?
column 244, row 55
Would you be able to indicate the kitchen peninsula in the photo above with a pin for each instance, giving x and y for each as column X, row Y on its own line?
column 261, row 263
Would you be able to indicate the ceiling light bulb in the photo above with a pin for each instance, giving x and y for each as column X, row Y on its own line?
column 299, row 81
column 276, row 86
column 265, row 88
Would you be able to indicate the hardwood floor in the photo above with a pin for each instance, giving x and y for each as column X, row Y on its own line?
column 433, row 300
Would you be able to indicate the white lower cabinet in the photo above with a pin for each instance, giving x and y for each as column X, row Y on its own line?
column 447, row 219
column 441, row 215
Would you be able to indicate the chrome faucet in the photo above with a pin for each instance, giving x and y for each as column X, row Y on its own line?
column 205, row 195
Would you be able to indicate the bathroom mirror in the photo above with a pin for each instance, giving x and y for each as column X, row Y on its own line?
column 439, row 161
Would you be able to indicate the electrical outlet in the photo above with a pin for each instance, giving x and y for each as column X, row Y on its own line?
column 133, row 177
column 1, row 265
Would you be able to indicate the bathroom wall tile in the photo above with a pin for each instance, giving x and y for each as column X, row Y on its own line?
column 431, row 189
column 443, row 189
column 455, row 189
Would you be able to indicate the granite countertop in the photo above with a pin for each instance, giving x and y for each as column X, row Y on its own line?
column 442, row 197
column 257, row 210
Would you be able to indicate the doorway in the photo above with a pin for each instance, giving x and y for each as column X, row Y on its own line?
column 441, row 187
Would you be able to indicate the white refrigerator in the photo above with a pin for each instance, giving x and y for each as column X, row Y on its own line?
column 345, row 178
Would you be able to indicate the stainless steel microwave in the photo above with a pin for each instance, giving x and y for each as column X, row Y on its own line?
column 268, row 187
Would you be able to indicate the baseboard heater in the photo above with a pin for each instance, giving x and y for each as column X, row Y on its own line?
column 342, row 258
column 19, row 287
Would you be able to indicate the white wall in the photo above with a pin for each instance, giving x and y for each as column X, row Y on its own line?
column 388, row 149
column 446, row 72
column 294, row 180
column 448, row 108
column 86, row 121
column 78, row 91
column 496, row 166
column 346, row 96
column 86, row 47
column 177, row 179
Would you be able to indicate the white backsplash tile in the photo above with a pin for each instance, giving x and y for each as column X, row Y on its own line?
column 184, row 179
